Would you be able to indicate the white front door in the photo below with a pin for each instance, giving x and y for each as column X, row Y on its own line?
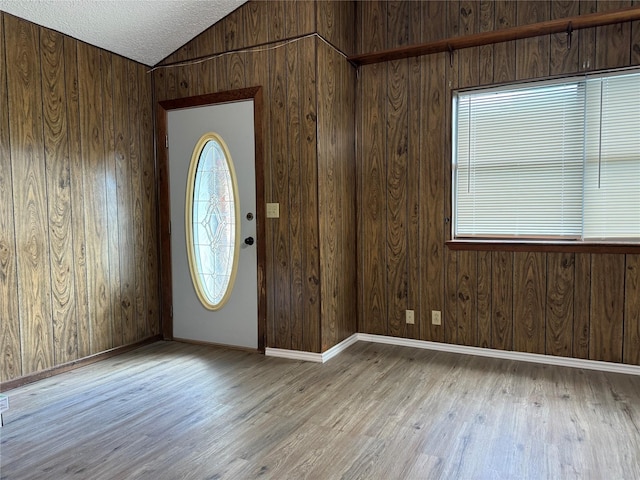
column 235, row 323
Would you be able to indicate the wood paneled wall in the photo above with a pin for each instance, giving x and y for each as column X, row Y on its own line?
column 336, row 193
column 309, row 105
column 569, row 304
column 78, row 242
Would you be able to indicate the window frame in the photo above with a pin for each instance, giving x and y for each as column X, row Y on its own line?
column 515, row 244
column 189, row 203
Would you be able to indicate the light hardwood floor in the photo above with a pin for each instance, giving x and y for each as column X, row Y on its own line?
column 179, row 411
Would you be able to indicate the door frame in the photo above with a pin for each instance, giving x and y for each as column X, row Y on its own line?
column 164, row 208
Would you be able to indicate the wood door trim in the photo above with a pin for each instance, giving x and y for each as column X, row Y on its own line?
column 251, row 93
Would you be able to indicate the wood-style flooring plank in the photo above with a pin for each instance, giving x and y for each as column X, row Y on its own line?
column 172, row 410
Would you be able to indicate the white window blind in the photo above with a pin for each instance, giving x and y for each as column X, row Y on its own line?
column 546, row 161
column 612, row 177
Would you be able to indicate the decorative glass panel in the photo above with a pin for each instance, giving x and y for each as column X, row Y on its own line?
column 212, row 219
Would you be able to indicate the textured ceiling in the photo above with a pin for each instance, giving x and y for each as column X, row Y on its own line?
column 143, row 30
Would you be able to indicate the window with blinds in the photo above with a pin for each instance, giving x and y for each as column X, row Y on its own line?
column 550, row 160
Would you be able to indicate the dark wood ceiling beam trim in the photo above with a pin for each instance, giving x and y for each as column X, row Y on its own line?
column 563, row 25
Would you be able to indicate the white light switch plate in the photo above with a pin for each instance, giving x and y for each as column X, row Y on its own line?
column 273, row 210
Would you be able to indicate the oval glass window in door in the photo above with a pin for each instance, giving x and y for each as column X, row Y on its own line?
column 212, row 220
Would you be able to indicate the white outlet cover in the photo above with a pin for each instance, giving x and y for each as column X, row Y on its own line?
column 409, row 317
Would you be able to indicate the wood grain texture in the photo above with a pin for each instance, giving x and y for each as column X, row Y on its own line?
column 415, row 299
column 336, row 197
column 258, row 128
column 631, row 346
column 452, row 75
column 613, row 41
column 63, row 305
column 257, row 75
column 396, row 185
column 466, row 305
column 309, row 198
column 372, row 231
column 581, row 305
column 277, row 19
column 560, row 303
column 433, row 15
column 11, row 361
column 306, row 16
column 335, row 22
column 485, row 306
column 29, row 194
column 502, row 300
column 457, row 42
column 301, row 279
column 487, row 24
column 127, row 332
column 185, row 83
column 507, row 297
column 635, row 40
column 204, row 75
column 62, row 257
column 466, row 308
column 255, row 23
column 564, row 49
column 347, row 163
column 398, row 26
column 445, row 416
column 329, row 228
column 469, row 58
column 432, row 178
column 77, row 196
column 96, row 216
column 607, row 307
column 532, row 54
column 450, row 310
column 280, row 276
column 139, row 255
column 529, row 301
column 233, row 31
column 431, row 188
column 295, row 200
column 504, row 53
column 111, row 205
column 587, row 38
column 149, row 205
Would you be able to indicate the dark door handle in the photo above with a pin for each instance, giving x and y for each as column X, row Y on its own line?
column 248, row 240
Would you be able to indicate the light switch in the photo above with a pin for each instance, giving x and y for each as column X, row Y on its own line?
column 273, row 210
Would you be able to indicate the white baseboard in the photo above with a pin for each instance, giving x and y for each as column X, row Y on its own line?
column 310, row 356
column 504, row 354
column 461, row 349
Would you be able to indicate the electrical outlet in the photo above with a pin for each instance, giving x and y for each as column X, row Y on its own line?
column 436, row 317
column 273, row 210
column 409, row 317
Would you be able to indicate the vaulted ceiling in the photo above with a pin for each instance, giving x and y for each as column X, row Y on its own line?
column 143, row 30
